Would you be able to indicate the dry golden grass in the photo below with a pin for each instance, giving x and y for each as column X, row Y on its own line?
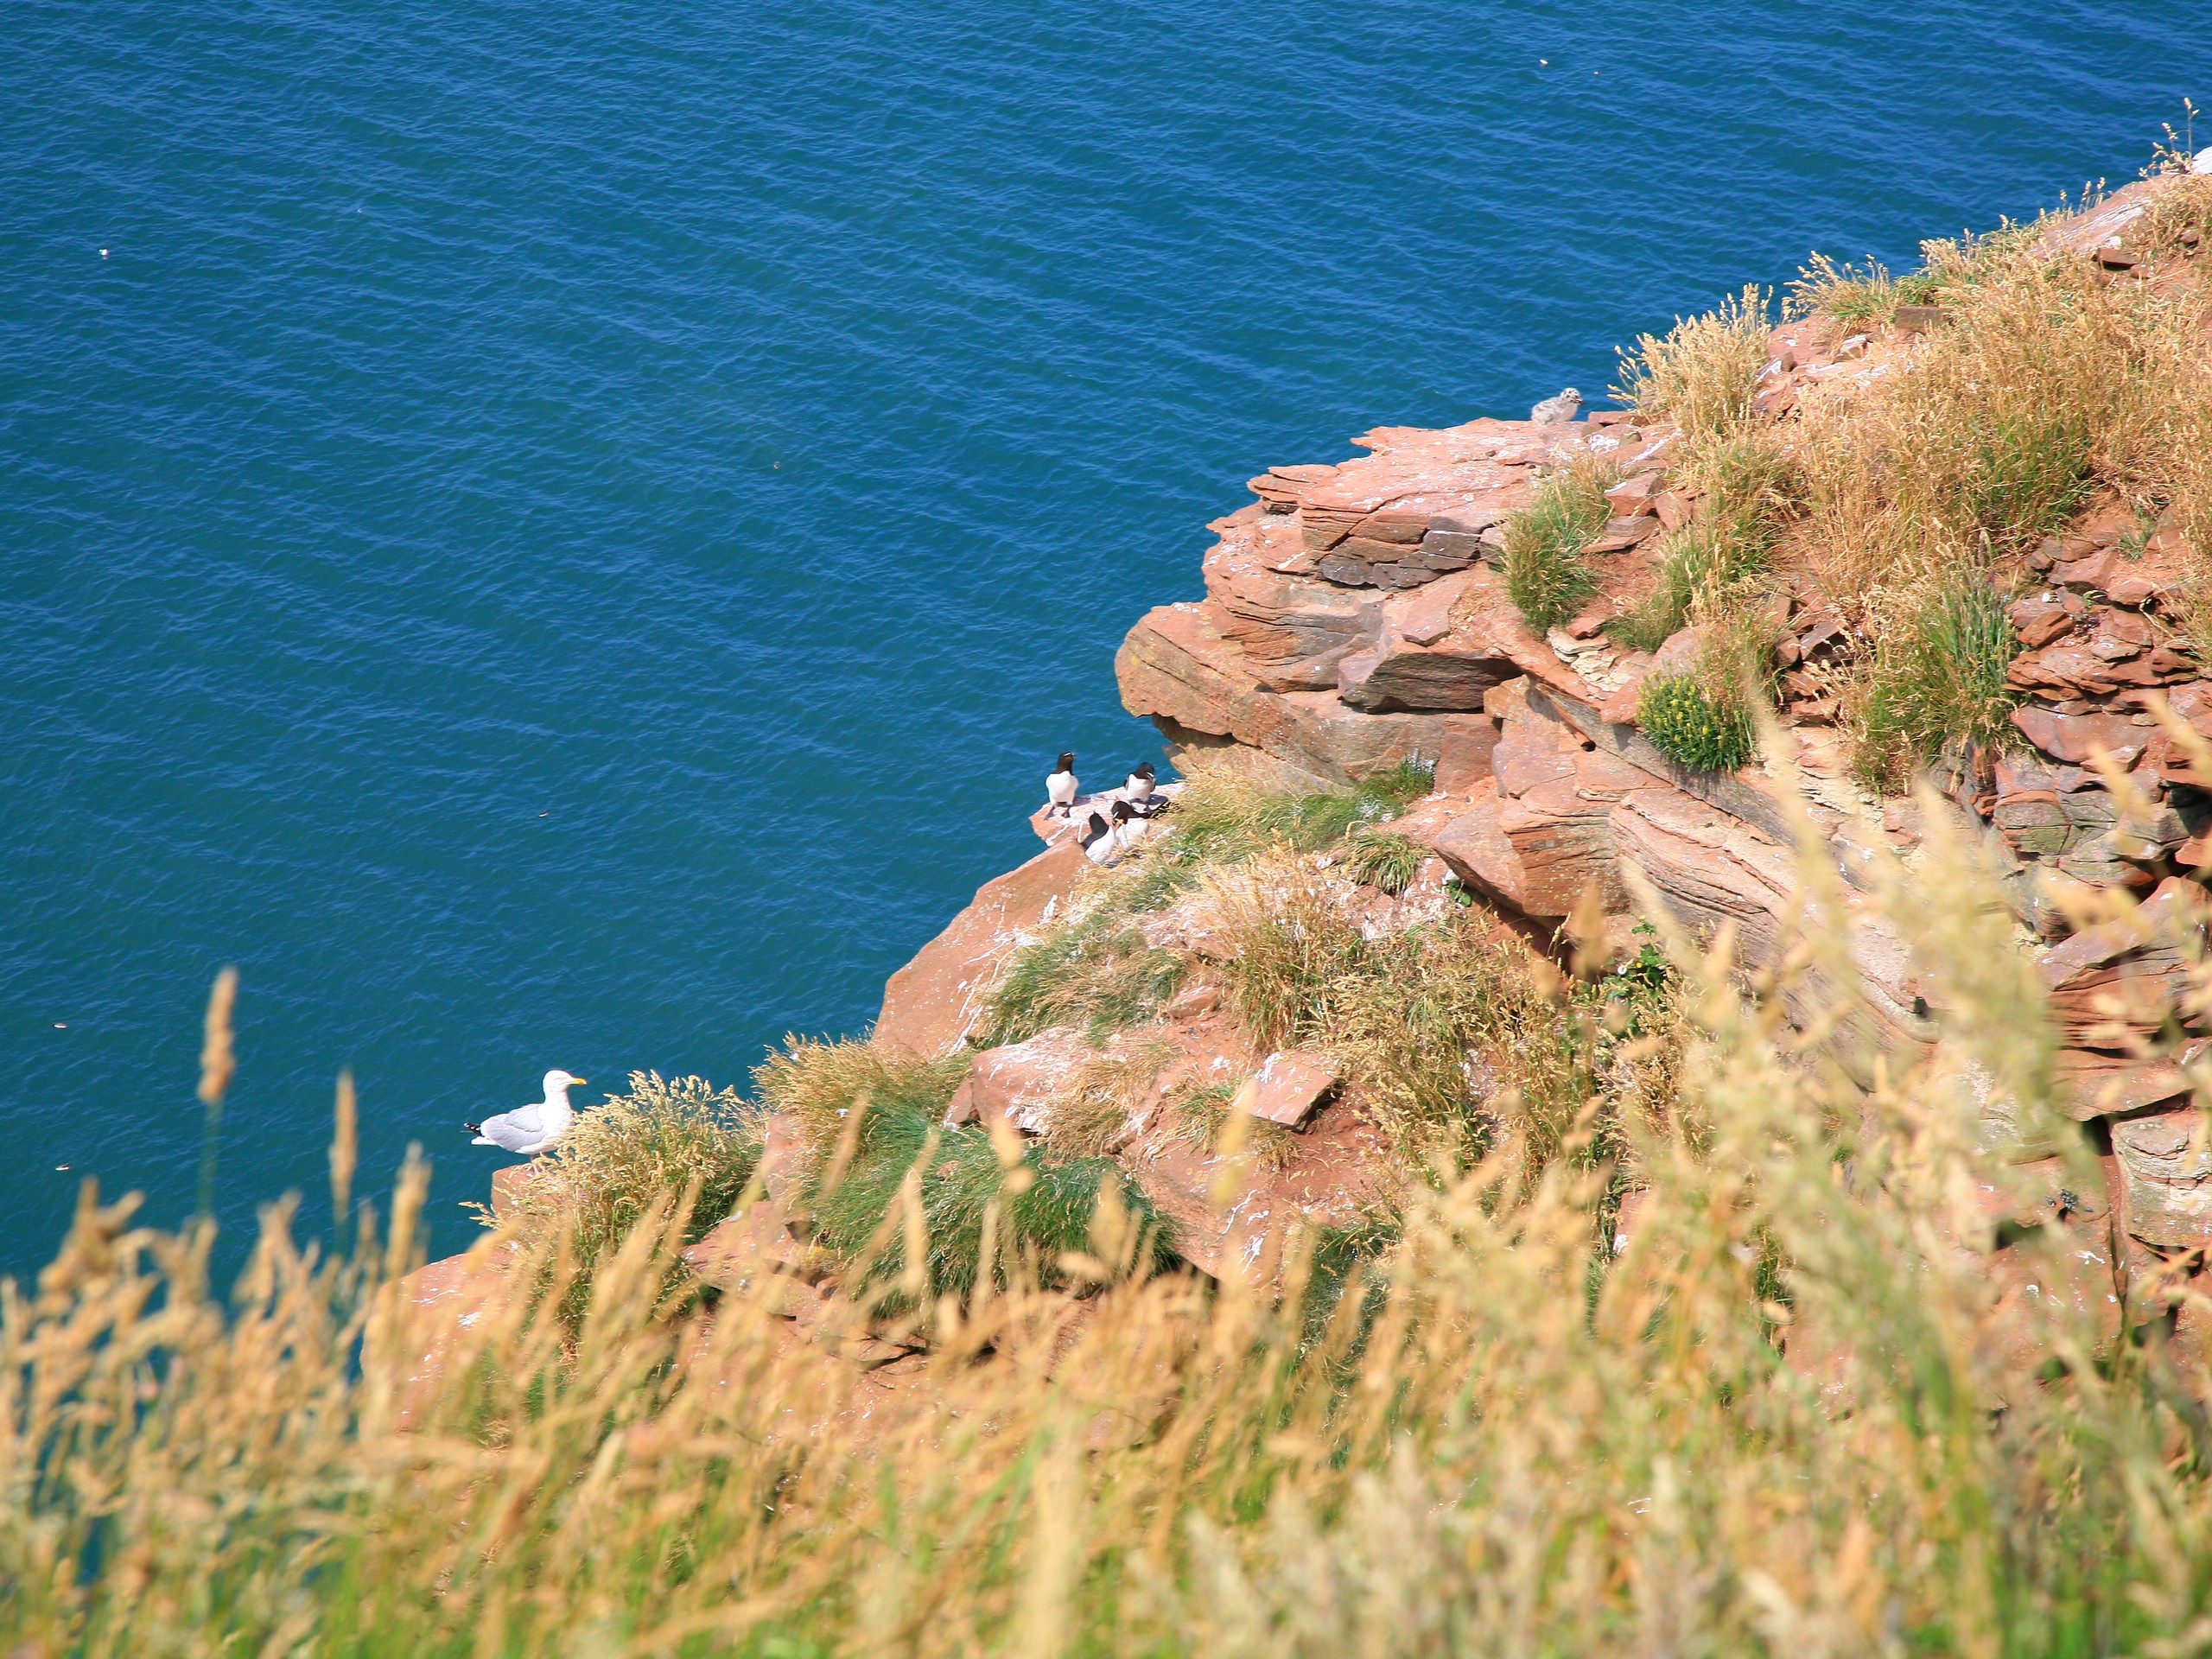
column 1508, row 1440
column 1089, row 1119
column 1701, row 374
column 2049, row 386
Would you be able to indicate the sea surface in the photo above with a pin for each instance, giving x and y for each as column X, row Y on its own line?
column 570, row 535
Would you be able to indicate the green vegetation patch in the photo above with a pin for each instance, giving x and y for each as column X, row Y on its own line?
column 1938, row 673
column 1096, row 971
column 1383, row 858
column 1694, row 727
column 1750, row 492
column 1545, row 575
column 1044, row 1208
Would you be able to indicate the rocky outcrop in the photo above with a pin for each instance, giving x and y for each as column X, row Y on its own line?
column 932, row 1003
column 1354, row 615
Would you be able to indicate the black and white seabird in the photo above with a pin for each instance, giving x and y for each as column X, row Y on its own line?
column 1060, row 788
column 1096, row 839
column 1140, row 791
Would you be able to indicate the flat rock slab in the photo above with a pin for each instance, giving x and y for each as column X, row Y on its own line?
column 931, row 1004
column 2167, row 1175
column 754, row 1252
column 1288, row 1087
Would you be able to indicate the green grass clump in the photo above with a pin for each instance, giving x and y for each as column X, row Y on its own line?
column 1096, row 971
column 663, row 1137
column 1692, row 727
column 1226, row 817
column 1938, row 673
column 1046, row 1208
column 1383, row 858
column 817, row 1082
column 2027, row 473
column 1545, row 575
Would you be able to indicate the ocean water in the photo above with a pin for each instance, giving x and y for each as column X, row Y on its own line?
column 565, row 534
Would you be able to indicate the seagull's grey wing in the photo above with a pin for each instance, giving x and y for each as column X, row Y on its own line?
column 523, row 1127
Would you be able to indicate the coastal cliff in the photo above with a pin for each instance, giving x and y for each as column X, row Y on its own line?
column 1368, row 636
column 1360, row 615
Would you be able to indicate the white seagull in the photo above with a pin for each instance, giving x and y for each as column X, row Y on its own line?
column 532, row 1129
column 1060, row 788
column 1556, row 412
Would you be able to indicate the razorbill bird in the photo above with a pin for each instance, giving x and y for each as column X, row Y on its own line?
column 1557, row 411
column 1096, row 839
column 532, row 1129
column 1139, row 787
column 1060, row 788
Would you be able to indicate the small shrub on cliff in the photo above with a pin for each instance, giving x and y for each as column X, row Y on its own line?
column 1702, row 374
column 1938, row 673
column 664, row 1136
column 1545, row 575
column 1694, row 727
column 1383, row 858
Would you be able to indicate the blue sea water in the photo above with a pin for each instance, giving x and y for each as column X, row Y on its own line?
column 558, row 534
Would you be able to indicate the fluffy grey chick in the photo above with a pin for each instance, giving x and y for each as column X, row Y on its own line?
column 1555, row 411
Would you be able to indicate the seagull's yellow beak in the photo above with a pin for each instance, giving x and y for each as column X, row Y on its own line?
column 575, row 1079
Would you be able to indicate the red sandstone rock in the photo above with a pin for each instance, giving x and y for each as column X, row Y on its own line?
column 2121, row 980
column 2042, row 617
column 1175, row 667
column 1231, row 1216
column 1289, row 1088
column 1623, row 533
column 1464, row 761
column 753, row 1253
column 507, row 1185
column 1018, row 1083
column 932, row 1003
column 444, row 1314
column 2088, row 1084
column 2167, row 1172
column 1634, row 495
column 2078, row 738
